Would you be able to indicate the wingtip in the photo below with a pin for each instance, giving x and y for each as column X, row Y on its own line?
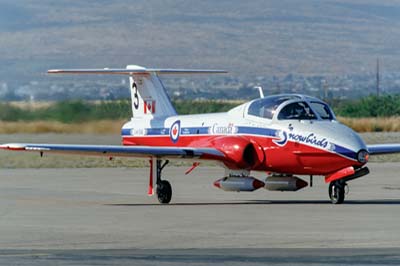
column 13, row 147
column 53, row 71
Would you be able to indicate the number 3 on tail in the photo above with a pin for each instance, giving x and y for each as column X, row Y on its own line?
column 135, row 96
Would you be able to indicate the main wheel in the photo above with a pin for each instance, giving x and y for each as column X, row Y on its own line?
column 336, row 192
column 164, row 192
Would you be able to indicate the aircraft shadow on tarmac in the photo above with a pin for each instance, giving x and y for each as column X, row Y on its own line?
column 264, row 202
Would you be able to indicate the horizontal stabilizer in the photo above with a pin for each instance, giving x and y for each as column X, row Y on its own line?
column 132, row 69
column 148, row 94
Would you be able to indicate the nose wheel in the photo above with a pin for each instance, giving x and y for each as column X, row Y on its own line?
column 337, row 192
column 164, row 189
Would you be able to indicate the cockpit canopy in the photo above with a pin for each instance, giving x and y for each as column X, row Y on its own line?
column 290, row 106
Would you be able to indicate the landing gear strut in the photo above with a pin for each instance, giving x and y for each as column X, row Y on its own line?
column 164, row 190
column 337, row 191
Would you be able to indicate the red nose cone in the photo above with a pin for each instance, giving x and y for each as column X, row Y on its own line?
column 300, row 183
column 217, row 184
column 257, row 184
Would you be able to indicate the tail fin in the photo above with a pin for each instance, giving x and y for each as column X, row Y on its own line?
column 149, row 98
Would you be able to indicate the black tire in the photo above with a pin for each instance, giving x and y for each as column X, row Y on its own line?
column 336, row 192
column 164, row 192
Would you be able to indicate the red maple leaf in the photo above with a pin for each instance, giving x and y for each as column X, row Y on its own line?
column 174, row 131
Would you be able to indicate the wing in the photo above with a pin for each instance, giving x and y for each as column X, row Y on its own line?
column 119, row 151
column 383, row 148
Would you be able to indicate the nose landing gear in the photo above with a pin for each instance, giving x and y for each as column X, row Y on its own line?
column 338, row 187
column 337, row 191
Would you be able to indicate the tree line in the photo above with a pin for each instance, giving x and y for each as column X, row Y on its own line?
column 81, row 111
column 371, row 106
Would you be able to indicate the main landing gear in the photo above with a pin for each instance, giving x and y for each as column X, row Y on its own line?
column 164, row 189
column 337, row 191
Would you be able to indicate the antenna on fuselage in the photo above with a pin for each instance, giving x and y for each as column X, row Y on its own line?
column 260, row 90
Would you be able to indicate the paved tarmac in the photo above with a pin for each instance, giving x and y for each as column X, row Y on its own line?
column 104, row 217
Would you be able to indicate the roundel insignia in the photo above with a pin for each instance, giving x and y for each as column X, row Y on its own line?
column 174, row 131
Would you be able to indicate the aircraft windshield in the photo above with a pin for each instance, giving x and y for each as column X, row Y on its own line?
column 298, row 111
column 323, row 110
column 266, row 107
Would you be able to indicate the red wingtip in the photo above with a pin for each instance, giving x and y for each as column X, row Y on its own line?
column 13, row 147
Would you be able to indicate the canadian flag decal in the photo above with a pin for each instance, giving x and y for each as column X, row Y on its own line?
column 149, row 107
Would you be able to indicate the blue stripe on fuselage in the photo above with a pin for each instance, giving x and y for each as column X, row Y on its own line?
column 194, row 130
column 257, row 131
column 345, row 152
column 125, row 132
column 157, row 131
column 203, row 130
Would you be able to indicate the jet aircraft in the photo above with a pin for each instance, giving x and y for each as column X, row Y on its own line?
column 283, row 135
